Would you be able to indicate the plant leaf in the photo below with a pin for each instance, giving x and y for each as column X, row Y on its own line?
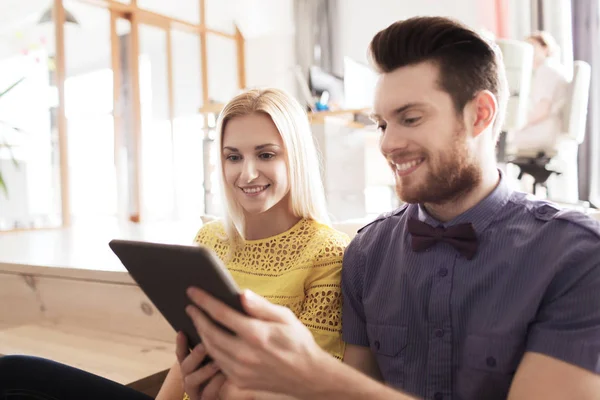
column 5, row 144
column 13, row 127
column 3, row 185
column 11, row 87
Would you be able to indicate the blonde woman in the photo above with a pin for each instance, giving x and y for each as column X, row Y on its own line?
column 275, row 238
column 549, row 90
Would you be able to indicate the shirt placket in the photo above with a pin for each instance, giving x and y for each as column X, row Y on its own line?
column 439, row 356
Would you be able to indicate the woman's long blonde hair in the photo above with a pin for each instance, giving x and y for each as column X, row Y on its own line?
column 307, row 195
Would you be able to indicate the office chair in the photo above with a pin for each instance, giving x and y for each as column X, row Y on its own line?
column 561, row 156
column 517, row 57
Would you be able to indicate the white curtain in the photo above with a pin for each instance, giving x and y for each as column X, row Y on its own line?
column 586, row 43
column 316, row 29
column 556, row 19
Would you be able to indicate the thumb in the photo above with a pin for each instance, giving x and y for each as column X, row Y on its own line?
column 258, row 307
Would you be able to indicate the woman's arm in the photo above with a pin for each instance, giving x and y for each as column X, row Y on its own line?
column 541, row 110
column 172, row 387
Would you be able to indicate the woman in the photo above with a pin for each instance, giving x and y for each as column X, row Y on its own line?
column 274, row 239
column 548, row 95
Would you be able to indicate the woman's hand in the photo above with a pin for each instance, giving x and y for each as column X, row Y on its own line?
column 199, row 383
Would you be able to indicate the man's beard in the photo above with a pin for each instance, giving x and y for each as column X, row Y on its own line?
column 452, row 175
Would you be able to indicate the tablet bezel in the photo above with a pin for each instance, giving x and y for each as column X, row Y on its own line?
column 164, row 272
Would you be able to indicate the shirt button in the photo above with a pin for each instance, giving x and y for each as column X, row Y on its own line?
column 377, row 345
column 443, row 272
column 438, row 396
column 491, row 362
column 439, row 332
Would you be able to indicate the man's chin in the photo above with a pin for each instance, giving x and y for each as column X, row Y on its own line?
column 409, row 195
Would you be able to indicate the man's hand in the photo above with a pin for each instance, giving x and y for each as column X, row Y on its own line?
column 272, row 350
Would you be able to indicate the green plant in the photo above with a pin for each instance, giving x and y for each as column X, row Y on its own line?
column 3, row 142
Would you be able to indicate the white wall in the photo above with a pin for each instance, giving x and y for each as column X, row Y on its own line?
column 268, row 28
column 360, row 20
column 519, row 16
column 270, row 60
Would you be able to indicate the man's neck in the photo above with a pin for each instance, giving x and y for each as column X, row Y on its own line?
column 452, row 209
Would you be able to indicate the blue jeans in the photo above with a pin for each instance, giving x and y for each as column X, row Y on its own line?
column 32, row 378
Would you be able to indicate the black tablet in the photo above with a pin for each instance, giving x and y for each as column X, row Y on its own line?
column 165, row 271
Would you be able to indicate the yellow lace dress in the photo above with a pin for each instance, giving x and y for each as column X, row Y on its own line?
column 300, row 269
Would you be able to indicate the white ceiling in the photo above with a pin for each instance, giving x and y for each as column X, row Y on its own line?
column 88, row 44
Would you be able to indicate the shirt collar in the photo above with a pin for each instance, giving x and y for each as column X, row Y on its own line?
column 480, row 215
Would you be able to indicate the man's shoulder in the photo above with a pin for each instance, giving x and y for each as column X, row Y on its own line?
column 382, row 220
column 564, row 221
column 580, row 221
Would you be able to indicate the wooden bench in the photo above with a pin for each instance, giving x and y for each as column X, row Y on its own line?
column 64, row 296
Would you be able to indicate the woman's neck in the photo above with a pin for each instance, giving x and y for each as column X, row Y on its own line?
column 277, row 220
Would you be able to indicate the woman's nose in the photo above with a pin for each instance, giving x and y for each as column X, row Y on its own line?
column 249, row 172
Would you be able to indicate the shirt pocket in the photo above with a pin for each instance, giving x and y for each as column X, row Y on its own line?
column 487, row 366
column 388, row 343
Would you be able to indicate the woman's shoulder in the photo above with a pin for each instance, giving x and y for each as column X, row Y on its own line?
column 552, row 69
column 327, row 242
column 211, row 230
column 329, row 234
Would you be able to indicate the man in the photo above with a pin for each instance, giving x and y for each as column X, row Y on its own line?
column 469, row 291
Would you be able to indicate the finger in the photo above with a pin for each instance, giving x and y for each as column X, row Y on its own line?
column 261, row 308
column 230, row 391
column 193, row 360
column 181, row 348
column 213, row 337
column 198, row 378
column 211, row 391
column 218, row 311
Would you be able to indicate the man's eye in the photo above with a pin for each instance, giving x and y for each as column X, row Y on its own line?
column 411, row 121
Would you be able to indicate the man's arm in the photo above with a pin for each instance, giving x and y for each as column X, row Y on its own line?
column 341, row 381
column 543, row 377
column 273, row 351
column 563, row 344
column 362, row 359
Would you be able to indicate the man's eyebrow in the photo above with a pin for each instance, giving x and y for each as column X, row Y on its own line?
column 399, row 110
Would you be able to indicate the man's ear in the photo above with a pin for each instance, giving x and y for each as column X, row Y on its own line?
column 484, row 107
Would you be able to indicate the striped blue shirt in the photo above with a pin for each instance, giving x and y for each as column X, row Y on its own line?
column 444, row 327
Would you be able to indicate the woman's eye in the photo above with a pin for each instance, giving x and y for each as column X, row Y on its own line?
column 266, row 156
column 381, row 127
column 233, row 157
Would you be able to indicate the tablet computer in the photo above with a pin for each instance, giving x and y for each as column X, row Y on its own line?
column 164, row 272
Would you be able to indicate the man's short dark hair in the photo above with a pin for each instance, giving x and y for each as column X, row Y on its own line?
column 468, row 63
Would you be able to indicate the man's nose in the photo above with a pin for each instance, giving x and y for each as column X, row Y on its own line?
column 391, row 141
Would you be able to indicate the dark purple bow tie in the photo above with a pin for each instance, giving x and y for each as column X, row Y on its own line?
column 461, row 236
